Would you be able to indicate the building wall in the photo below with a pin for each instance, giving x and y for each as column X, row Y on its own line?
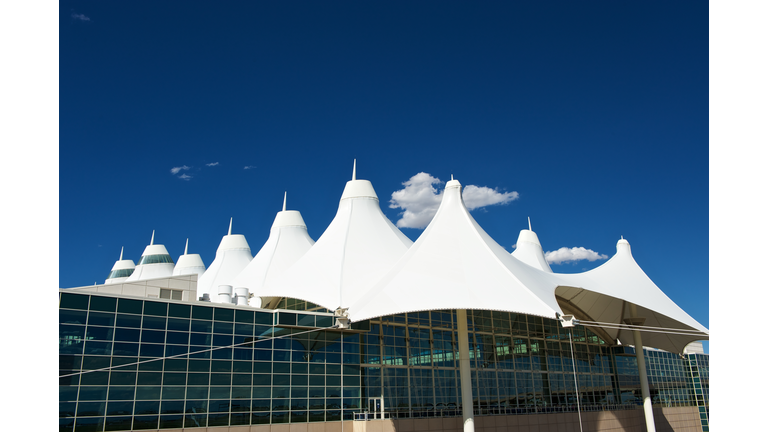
column 133, row 363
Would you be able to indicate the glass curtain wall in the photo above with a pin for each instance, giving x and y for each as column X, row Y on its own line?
column 236, row 366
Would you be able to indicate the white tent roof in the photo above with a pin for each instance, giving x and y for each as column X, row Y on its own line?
column 288, row 241
column 356, row 249
column 529, row 250
column 232, row 256
column 189, row 263
column 606, row 295
column 153, row 270
column 120, row 264
column 454, row 264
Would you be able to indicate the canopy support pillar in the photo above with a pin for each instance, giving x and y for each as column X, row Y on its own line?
column 465, row 372
column 644, row 389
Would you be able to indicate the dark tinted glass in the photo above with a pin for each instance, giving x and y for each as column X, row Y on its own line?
column 125, row 334
column 99, row 333
column 264, row 318
column 223, row 327
column 119, row 408
column 73, row 301
column 243, row 316
column 201, row 326
column 101, row 319
column 133, row 321
column 179, row 310
column 178, row 324
column 153, row 336
column 221, row 314
column 118, row 423
column 286, row 318
column 104, row 304
column 72, row 317
column 202, row 312
column 129, row 306
column 154, row 322
column 155, row 308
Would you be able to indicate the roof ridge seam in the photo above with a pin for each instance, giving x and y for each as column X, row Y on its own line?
column 271, row 256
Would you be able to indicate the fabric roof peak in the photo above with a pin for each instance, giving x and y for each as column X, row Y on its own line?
column 528, row 250
column 455, row 264
column 359, row 245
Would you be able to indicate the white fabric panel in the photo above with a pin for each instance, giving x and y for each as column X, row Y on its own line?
column 356, row 249
column 288, row 241
column 232, row 256
column 529, row 251
column 455, row 265
column 604, row 294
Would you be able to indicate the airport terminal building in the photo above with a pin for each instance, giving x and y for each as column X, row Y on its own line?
column 368, row 327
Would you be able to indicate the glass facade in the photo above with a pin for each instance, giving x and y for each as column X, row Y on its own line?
column 131, row 364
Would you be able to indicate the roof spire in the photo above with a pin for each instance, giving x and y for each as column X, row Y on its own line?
column 186, row 247
column 230, row 227
column 354, row 169
column 152, row 240
column 285, row 198
column 529, row 224
column 451, row 176
column 121, row 253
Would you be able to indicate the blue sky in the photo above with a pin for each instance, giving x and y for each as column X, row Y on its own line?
column 595, row 114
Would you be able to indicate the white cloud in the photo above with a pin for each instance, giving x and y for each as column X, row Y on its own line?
column 574, row 254
column 212, row 164
column 185, row 177
column 420, row 200
column 481, row 196
column 249, row 167
column 79, row 17
column 175, row 170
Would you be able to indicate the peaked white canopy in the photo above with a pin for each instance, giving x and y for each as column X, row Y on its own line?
column 454, row 264
column 288, row 241
column 529, row 250
column 232, row 256
column 356, row 249
column 189, row 263
column 122, row 267
column 609, row 293
column 155, row 262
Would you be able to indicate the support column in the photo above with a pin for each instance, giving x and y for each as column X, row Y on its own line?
column 644, row 389
column 465, row 372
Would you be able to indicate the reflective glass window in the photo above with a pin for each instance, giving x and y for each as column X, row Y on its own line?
column 154, row 322
column 129, row 306
column 120, row 408
column 201, row 326
column 155, row 308
column 72, row 316
column 73, row 301
column 132, row 321
column 202, row 312
column 99, row 333
column 221, row 314
column 101, row 319
column 147, row 392
column 178, row 324
column 104, row 304
column 145, row 422
column 118, row 423
column 179, row 310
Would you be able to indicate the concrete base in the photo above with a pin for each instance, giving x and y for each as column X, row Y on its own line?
column 682, row 419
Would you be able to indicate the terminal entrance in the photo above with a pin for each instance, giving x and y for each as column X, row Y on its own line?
column 376, row 408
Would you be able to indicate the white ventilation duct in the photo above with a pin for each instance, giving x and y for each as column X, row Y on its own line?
column 225, row 294
column 241, row 296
